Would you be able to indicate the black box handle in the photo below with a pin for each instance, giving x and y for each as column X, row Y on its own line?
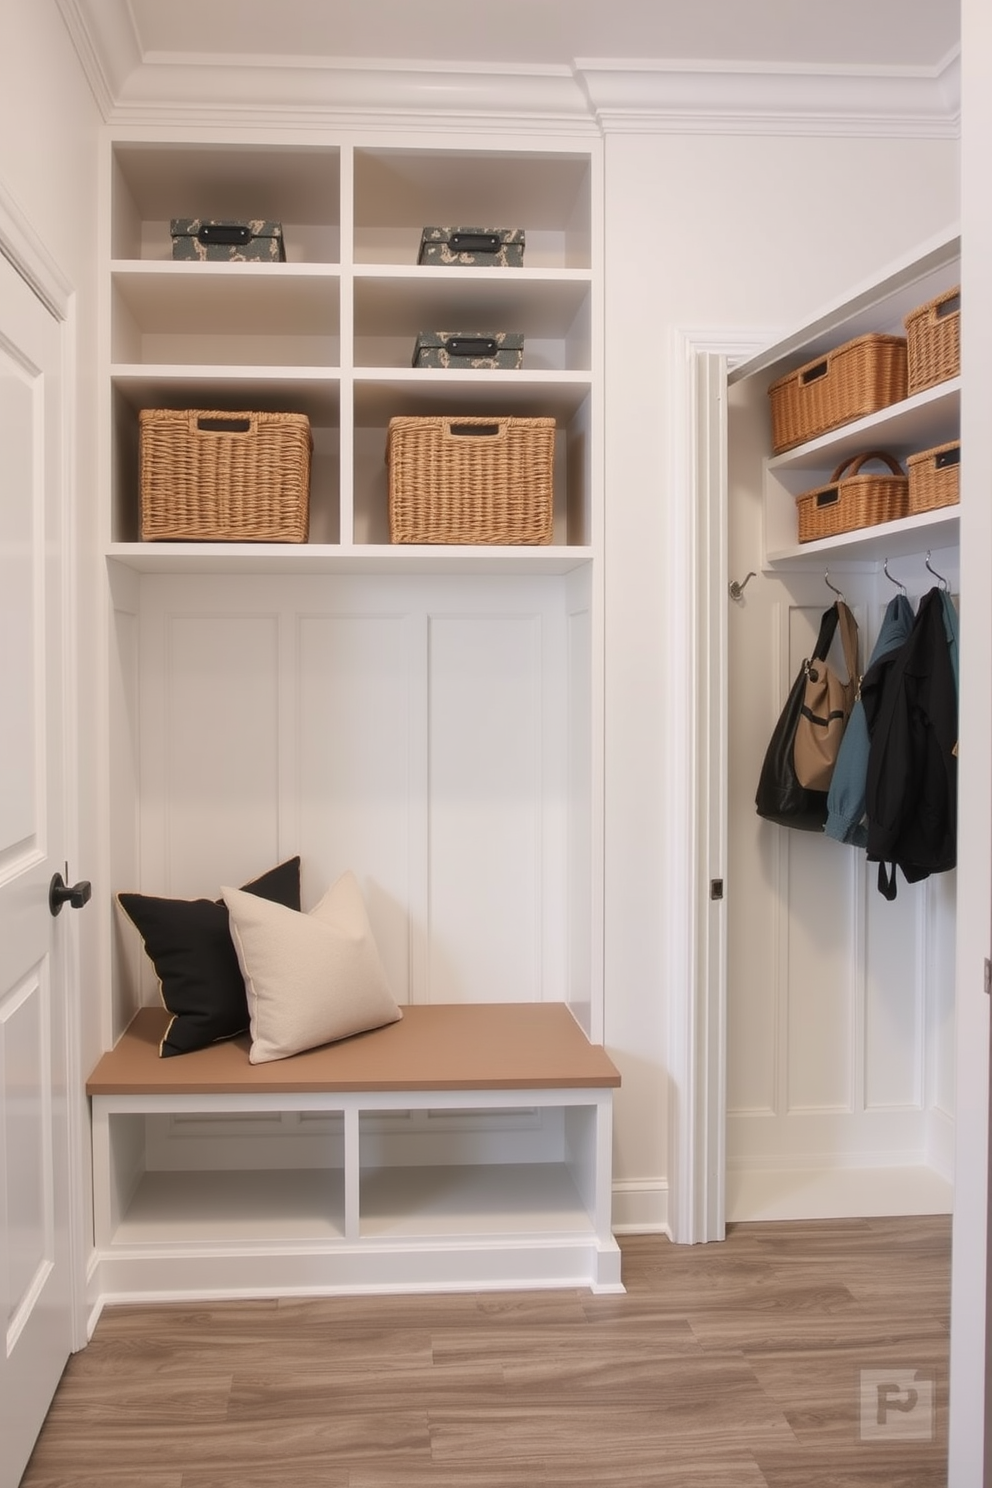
column 478, row 242
column 225, row 234
column 947, row 457
column 470, row 346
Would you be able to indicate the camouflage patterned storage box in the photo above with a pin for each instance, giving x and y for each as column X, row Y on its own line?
column 243, row 242
column 473, row 247
column 482, row 349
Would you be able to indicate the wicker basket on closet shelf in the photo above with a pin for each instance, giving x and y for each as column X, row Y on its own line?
column 934, row 478
column 208, row 475
column 853, row 380
column 853, row 500
column 471, row 480
column 933, row 337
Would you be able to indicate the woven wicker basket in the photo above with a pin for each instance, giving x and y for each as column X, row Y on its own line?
column 853, row 500
column 212, row 476
column 471, row 480
column 853, row 380
column 933, row 338
column 934, row 478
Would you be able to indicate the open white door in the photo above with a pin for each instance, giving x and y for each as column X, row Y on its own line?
column 35, row 1281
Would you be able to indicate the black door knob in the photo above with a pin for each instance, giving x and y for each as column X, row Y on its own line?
column 59, row 893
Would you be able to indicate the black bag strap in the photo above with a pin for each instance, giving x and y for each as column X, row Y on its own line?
column 828, row 629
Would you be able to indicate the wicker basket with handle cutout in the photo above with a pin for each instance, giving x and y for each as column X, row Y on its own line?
column 853, row 500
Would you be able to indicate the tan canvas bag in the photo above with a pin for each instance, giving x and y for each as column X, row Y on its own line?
column 827, row 704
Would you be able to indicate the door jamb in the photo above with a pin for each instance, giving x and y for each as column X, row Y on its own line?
column 696, row 584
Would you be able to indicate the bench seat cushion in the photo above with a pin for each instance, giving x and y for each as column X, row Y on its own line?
column 434, row 1046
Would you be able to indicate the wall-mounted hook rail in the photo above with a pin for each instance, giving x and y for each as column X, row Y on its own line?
column 736, row 590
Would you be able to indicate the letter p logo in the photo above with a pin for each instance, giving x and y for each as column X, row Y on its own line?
column 896, row 1405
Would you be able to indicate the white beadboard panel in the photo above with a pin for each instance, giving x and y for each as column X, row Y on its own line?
column 819, row 948
column 896, row 961
column 358, row 767
column 939, row 1031
column 822, row 975
column 222, row 751
column 210, row 726
column 432, row 733
column 485, row 767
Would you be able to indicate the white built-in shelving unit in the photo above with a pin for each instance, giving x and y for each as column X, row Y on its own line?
column 429, row 716
column 923, row 421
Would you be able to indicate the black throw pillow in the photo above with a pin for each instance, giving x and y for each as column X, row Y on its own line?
column 189, row 943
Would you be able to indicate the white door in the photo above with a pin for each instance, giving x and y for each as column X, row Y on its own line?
column 35, row 1284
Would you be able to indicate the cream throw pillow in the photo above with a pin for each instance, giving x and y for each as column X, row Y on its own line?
column 310, row 978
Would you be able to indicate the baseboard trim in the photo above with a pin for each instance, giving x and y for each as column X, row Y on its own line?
column 839, row 1193
column 640, row 1207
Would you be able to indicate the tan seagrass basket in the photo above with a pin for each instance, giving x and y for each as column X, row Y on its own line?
column 853, row 500
column 853, row 380
column 211, row 476
column 933, row 338
column 934, row 478
column 471, row 480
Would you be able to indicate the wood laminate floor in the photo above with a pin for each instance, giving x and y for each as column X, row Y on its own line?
column 808, row 1355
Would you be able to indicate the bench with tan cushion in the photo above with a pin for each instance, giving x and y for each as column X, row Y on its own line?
column 465, row 1146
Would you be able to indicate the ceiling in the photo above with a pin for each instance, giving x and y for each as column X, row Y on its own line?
column 554, row 32
column 147, row 55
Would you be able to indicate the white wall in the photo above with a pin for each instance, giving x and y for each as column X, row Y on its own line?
column 971, row 1380
column 702, row 232
column 48, row 178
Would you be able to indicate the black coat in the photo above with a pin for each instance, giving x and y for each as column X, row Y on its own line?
column 911, row 708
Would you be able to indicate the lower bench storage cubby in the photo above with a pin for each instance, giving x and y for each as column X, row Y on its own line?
column 466, row 1146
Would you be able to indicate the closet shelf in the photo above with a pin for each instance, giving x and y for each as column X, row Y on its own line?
column 333, row 558
column 927, row 419
column 868, row 547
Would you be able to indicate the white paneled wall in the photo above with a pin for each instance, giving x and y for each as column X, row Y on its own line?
column 423, row 733
column 840, row 1043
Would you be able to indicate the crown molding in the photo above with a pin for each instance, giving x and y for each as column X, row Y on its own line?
column 107, row 45
column 591, row 96
column 754, row 98
column 306, row 94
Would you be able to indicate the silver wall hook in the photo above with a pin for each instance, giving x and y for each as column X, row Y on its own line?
column 736, row 590
column 930, row 569
column 892, row 578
